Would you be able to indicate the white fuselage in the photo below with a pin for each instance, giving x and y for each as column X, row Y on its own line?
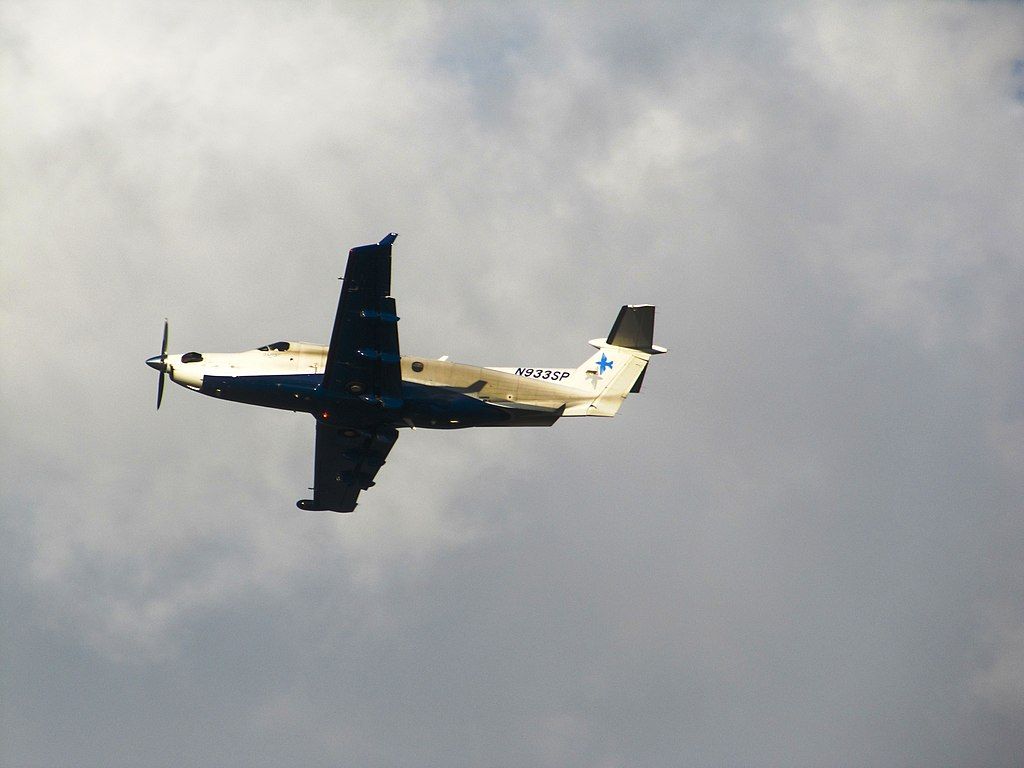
column 574, row 390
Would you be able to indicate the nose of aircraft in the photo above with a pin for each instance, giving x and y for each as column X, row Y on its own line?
column 155, row 363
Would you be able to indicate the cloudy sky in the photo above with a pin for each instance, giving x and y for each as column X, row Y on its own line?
column 802, row 544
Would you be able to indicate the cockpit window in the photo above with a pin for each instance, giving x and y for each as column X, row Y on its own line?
column 277, row 346
column 192, row 357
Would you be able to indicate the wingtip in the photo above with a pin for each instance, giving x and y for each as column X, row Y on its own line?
column 389, row 238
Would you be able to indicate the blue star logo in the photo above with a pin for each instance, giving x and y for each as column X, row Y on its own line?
column 604, row 362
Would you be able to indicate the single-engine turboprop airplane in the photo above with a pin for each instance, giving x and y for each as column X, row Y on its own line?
column 362, row 391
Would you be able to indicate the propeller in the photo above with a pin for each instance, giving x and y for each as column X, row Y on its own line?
column 163, row 369
column 160, row 364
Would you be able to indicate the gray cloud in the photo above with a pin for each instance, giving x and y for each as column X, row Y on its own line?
column 799, row 545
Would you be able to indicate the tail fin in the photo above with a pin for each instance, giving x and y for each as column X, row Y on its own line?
column 620, row 363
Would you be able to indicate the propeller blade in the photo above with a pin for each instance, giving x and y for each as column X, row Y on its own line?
column 163, row 368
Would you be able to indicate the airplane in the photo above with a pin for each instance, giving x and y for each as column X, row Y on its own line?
column 361, row 390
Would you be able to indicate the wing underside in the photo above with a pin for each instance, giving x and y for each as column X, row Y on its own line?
column 362, row 384
column 346, row 462
column 363, row 359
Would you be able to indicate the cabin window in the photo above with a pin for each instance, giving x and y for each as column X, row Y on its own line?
column 417, row 366
column 277, row 346
column 192, row 357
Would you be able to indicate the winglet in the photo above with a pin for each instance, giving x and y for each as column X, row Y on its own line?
column 389, row 238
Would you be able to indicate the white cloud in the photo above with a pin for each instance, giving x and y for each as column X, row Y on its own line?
column 778, row 554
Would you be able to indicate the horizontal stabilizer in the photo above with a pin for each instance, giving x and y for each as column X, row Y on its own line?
column 634, row 329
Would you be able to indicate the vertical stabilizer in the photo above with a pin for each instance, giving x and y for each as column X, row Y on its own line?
column 619, row 365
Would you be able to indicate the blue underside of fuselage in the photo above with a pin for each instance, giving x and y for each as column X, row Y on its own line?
column 421, row 405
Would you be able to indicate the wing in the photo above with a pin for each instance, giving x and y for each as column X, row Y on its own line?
column 346, row 462
column 362, row 362
column 363, row 359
